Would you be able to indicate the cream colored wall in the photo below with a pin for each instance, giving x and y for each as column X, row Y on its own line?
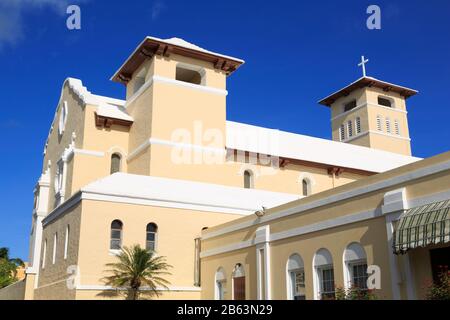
column 368, row 115
column 100, row 295
column 370, row 233
column 335, row 240
column 351, row 116
column 246, row 257
column 175, row 238
column 56, row 144
column 337, row 107
column 52, row 280
column 89, row 137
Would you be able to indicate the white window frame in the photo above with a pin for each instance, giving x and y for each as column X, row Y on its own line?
column 219, row 284
column 63, row 113
column 349, row 128
column 44, row 254
column 358, row 128
column 155, row 233
column 59, row 177
column 290, row 275
column 66, row 242
column 342, row 132
column 388, row 125
column 397, row 127
column 55, row 241
column 317, row 270
column 251, row 179
column 380, row 123
column 348, row 264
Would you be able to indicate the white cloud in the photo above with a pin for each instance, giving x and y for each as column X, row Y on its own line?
column 157, row 8
column 12, row 17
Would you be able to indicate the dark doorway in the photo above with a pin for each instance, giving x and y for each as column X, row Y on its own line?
column 440, row 258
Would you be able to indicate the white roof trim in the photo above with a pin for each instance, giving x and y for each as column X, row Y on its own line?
column 372, row 78
column 296, row 146
column 177, row 42
column 113, row 111
column 172, row 193
column 188, row 193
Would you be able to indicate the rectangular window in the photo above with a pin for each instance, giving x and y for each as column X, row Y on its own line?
column 220, row 290
column 59, row 176
column 150, row 243
column 189, row 75
column 384, row 102
column 397, row 127
column 350, row 128
column 358, row 125
column 116, row 236
column 66, row 243
column 298, row 279
column 350, row 105
column 342, row 132
column 327, row 283
column 379, row 128
column 55, row 240
column 44, row 254
column 388, row 125
column 359, row 275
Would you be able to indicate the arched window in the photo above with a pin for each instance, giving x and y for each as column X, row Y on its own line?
column 324, row 275
column 220, row 283
column 150, row 243
column 116, row 235
column 238, row 282
column 355, row 267
column 306, row 187
column 66, row 242
column 358, row 125
column 342, row 132
column 55, row 241
column 62, row 118
column 248, row 179
column 116, row 160
column 295, row 278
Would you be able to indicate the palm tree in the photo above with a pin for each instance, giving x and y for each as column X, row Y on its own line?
column 138, row 268
column 8, row 268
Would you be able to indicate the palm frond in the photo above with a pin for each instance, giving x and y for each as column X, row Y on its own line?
column 137, row 268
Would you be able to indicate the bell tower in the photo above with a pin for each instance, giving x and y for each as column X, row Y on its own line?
column 371, row 113
column 176, row 94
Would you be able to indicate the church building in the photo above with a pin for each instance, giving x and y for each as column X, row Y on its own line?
column 239, row 211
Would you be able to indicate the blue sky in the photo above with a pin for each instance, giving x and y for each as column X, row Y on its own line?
column 296, row 52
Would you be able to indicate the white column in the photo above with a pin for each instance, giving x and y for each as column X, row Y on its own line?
column 39, row 213
column 395, row 203
column 409, row 277
column 262, row 241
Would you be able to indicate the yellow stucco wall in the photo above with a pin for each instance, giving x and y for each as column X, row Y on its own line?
column 370, row 233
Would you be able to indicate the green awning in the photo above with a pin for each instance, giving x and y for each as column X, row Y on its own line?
column 422, row 226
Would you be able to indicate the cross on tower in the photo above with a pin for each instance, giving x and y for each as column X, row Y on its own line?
column 363, row 65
